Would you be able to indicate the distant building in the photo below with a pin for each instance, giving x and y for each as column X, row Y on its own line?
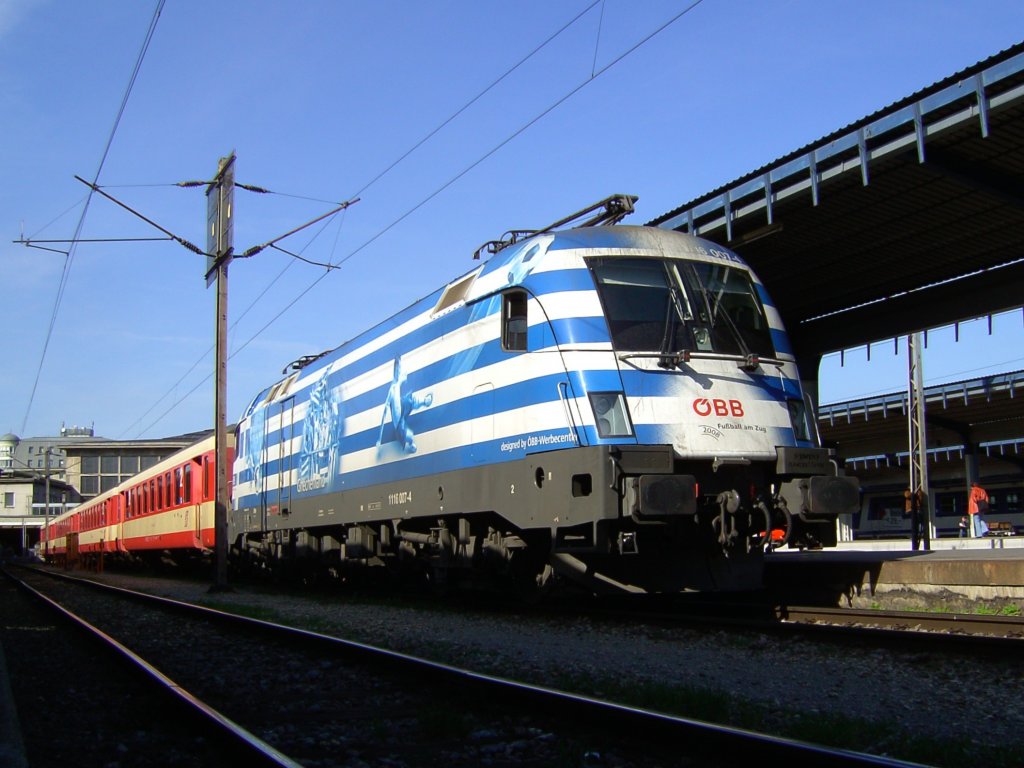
column 80, row 466
column 24, row 507
column 95, row 465
column 39, row 454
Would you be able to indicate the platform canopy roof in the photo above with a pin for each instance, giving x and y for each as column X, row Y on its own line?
column 908, row 219
column 982, row 416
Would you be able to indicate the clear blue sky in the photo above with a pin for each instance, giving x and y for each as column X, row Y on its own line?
column 319, row 98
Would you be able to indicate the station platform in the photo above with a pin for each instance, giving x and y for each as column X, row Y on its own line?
column 989, row 568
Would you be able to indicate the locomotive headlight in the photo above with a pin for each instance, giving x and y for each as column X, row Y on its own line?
column 798, row 418
column 611, row 414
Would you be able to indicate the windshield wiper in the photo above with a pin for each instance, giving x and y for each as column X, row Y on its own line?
column 716, row 309
column 669, row 358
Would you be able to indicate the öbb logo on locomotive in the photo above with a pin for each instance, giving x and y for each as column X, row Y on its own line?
column 537, row 414
column 702, row 406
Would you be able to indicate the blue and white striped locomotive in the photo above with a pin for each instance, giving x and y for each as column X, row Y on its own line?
column 618, row 405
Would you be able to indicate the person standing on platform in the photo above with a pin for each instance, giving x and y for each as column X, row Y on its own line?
column 963, row 527
column 977, row 505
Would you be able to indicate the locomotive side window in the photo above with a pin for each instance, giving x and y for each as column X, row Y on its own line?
column 513, row 321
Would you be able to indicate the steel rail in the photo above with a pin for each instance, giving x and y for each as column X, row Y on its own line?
column 946, row 631
column 717, row 742
column 981, row 628
column 250, row 746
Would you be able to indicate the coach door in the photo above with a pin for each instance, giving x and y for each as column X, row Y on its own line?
column 192, row 507
column 284, row 457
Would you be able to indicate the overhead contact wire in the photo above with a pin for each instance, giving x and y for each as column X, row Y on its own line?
column 362, row 189
column 473, row 165
column 460, row 174
column 70, row 257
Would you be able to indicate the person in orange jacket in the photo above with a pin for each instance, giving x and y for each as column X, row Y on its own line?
column 977, row 505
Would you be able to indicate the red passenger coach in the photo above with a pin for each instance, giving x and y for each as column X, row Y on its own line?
column 168, row 507
column 98, row 521
column 61, row 537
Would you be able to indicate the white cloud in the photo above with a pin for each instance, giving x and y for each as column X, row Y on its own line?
column 13, row 11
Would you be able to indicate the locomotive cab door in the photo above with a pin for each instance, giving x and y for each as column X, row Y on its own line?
column 283, row 492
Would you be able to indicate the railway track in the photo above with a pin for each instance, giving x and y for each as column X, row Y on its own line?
column 82, row 699
column 938, row 630
column 974, row 629
column 304, row 698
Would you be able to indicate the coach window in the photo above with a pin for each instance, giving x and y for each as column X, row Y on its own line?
column 513, row 321
column 154, row 499
column 177, row 486
column 187, row 488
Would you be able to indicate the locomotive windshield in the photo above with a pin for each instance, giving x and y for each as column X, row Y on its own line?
column 672, row 305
